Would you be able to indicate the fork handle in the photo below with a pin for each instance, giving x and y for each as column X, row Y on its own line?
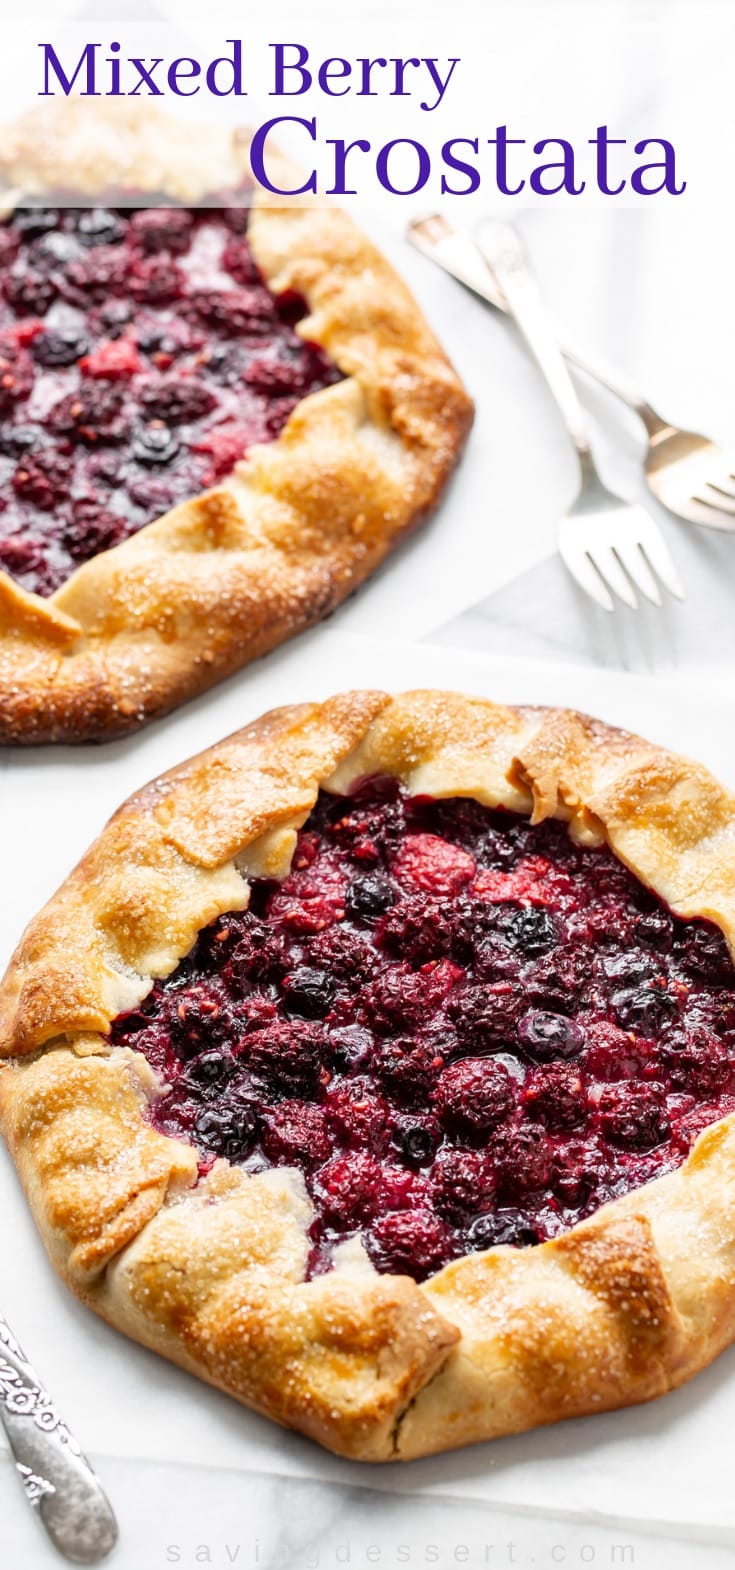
column 57, row 1479
column 457, row 254
column 500, row 245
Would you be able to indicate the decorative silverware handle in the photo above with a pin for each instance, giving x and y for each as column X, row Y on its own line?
column 58, row 1481
column 500, row 245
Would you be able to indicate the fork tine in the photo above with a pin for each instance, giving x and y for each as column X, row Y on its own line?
column 577, row 562
column 657, row 553
column 718, row 493
column 603, row 557
column 632, row 558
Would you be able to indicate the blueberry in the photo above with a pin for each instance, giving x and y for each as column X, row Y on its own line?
column 155, row 444
column 501, row 1226
column 59, row 346
column 349, row 1046
column 368, row 898
column 34, row 221
column 227, row 1131
column 643, row 1008
column 655, row 928
column 18, row 439
column 532, row 931
column 211, row 1067
column 98, row 226
column 55, row 249
column 415, row 1142
column 631, row 966
column 308, row 992
column 546, row 1036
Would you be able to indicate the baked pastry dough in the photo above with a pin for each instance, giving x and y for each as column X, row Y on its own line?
column 211, row 1262
column 280, row 538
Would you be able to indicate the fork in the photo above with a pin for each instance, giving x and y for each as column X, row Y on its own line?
column 609, row 545
column 690, row 475
column 57, row 1479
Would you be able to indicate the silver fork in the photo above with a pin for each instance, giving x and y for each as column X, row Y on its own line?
column 688, row 473
column 609, row 545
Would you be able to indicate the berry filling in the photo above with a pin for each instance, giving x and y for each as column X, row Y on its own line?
column 464, row 1030
column 141, row 355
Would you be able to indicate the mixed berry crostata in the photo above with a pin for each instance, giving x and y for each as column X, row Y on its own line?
column 378, row 1066
column 218, row 413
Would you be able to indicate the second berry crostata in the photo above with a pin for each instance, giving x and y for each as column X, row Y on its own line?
column 378, row 1066
column 219, row 411
column 463, row 1030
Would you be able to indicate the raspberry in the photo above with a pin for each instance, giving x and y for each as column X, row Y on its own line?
column 611, row 1053
column 348, row 1188
column 522, row 1159
column 20, row 555
column 695, row 1061
column 418, row 930
column 555, row 980
column 88, row 415
column 462, row 1183
column 198, row 1019
column 288, row 1057
column 408, row 1069
column 259, row 954
column 409, row 1242
column 633, row 1115
column 345, row 955
column 486, row 1017
column 395, row 1000
column 16, row 375
column 555, row 1094
column 156, row 281
column 91, row 529
column 95, row 276
column 162, row 229
column 113, row 360
column 225, row 444
column 357, row 1114
column 42, row 480
column 474, row 1096
column 432, row 864
column 30, row 294
column 237, row 259
column 235, row 310
column 176, row 400
column 295, row 1133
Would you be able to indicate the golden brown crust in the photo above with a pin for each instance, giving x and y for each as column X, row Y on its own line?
column 621, row 1308
column 299, row 524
